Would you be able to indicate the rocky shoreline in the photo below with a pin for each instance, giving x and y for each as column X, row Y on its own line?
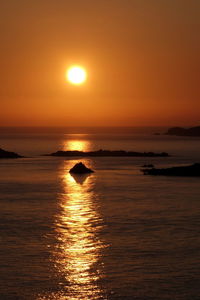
column 183, row 171
column 180, row 131
column 8, row 154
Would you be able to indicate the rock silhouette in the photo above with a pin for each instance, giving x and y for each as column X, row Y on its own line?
column 190, row 171
column 179, row 131
column 110, row 153
column 80, row 168
column 7, row 154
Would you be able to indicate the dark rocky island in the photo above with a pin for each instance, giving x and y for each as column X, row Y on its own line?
column 7, row 154
column 179, row 131
column 190, row 171
column 105, row 153
column 80, row 168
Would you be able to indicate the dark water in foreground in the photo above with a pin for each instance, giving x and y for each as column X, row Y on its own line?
column 115, row 234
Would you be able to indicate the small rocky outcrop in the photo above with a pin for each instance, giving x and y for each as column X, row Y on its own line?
column 190, row 171
column 80, row 168
column 7, row 154
column 179, row 131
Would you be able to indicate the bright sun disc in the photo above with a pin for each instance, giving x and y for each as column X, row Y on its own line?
column 76, row 75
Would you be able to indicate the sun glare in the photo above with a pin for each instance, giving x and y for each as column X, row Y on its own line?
column 76, row 75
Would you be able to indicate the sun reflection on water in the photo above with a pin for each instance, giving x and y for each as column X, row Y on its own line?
column 77, row 144
column 78, row 256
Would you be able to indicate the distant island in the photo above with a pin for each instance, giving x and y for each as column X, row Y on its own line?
column 190, row 171
column 105, row 153
column 7, row 154
column 179, row 131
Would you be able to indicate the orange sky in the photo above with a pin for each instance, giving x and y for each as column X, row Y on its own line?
column 142, row 59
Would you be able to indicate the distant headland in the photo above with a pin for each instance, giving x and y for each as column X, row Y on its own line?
column 180, row 131
column 109, row 153
column 7, row 154
column 183, row 171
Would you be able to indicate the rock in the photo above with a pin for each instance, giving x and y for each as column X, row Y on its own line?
column 179, row 131
column 7, row 154
column 80, row 168
column 190, row 171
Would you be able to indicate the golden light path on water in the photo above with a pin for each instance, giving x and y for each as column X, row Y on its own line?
column 78, row 254
column 77, row 144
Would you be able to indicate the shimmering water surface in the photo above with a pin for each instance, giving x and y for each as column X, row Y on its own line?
column 115, row 234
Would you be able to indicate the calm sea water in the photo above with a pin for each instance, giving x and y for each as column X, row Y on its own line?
column 115, row 234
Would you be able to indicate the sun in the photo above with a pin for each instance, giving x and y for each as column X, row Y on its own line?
column 76, row 75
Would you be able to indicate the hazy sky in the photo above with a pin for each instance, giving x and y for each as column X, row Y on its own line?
column 142, row 58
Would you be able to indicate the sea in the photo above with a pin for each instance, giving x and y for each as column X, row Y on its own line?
column 116, row 234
